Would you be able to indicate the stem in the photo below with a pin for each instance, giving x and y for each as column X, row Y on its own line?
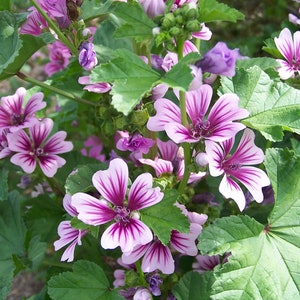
column 184, row 120
column 53, row 26
column 53, row 89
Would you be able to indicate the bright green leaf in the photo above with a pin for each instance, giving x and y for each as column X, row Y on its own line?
column 273, row 106
column 87, row 282
column 137, row 24
column 131, row 78
column 194, row 286
column 164, row 217
column 92, row 9
column 5, row 4
column 80, row 180
column 264, row 261
column 211, row 10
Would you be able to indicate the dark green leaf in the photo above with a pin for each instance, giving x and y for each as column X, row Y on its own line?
column 80, row 180
column 6, row 277
column 263, row 63
column 211, row 10
column 86, row 282
column 3, row 184
column 164, row 217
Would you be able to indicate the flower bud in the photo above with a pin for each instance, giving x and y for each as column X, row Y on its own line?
column 168, row 21
column 192, row 14
column 193, row 26
column 175, row 31
column 87, row 56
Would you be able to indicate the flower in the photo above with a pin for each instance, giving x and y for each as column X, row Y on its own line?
column 4, row 149
column 153, row 7
column 34, row 23
column 204, row 34
column 170, row 161
column 219, row 125
column 59, row 55
column 142, row 294
column 219, row 60
column 13, row 116
column 34, row 148
column 93, row 148
column 288, row 46
column 127, row 231
column 68, row 234
column 236, row 167
column 99, row 87
column 87, row 56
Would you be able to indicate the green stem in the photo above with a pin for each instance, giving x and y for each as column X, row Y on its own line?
column 53, row 89
column 139, row 270
column 184, row 120
column 53, row 26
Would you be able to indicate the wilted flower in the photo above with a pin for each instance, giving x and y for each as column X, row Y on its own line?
column 219, row 60
column 87, row 56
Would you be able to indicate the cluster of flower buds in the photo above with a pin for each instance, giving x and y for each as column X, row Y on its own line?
column 182, row 22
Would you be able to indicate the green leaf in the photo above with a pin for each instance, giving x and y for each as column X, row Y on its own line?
column 87, row 282
column 80, row 180
column 36, row 251
column 9, row 39
column 192, row 285
column 264, row 261
column 164, row 217
column 5, row 5
column 92, row 9
column 6, row 277
column 263, row 63
column 211, row 10
column 180, row 75
column 12, row 233
column 137, row 24
column 273, row 106
column 131, row 78
column 3, row 184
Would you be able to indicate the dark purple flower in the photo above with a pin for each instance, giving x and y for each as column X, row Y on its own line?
column 87, row 56
column 219, row 60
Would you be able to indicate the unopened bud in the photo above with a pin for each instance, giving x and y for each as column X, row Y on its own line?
column 175, row 31
column 86, row 32
column 192, row 14
column 168, row 21
column 193, row 26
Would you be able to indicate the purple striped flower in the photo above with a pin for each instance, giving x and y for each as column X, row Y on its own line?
column 87, row 56
column 12, row 113
column 218, row 125
column 289, row 47
column 127, row 231
column 236, row 166
column 36, row 148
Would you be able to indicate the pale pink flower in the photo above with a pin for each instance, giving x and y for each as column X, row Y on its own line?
column 12, row 114
column 59, row 55
column 99, row 87
column 289, row 47
column 127, row 231
column 36, row 148
column 68, row 234
column 153, row 7
column 204, row 34
column 237, row 167
column 142, row 294
column 93, row 148
column 218, row 125
column 4, row 149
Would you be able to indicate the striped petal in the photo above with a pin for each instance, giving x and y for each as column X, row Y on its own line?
column 285, row 44
column 112, row 183
column 50, row 163
column 127, row 236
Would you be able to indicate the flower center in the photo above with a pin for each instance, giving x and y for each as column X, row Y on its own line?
column 17, row 119
column 122, row 214
column 39, row 151
column 199, row 128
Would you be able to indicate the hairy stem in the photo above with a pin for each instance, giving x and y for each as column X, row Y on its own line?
column 184, row 120
column 54, row 89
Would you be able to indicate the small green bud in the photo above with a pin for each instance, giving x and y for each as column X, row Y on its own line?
column 175, row 31
column 168, row 21
column 192, row 14
column 193, row 26
column 179, row 20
